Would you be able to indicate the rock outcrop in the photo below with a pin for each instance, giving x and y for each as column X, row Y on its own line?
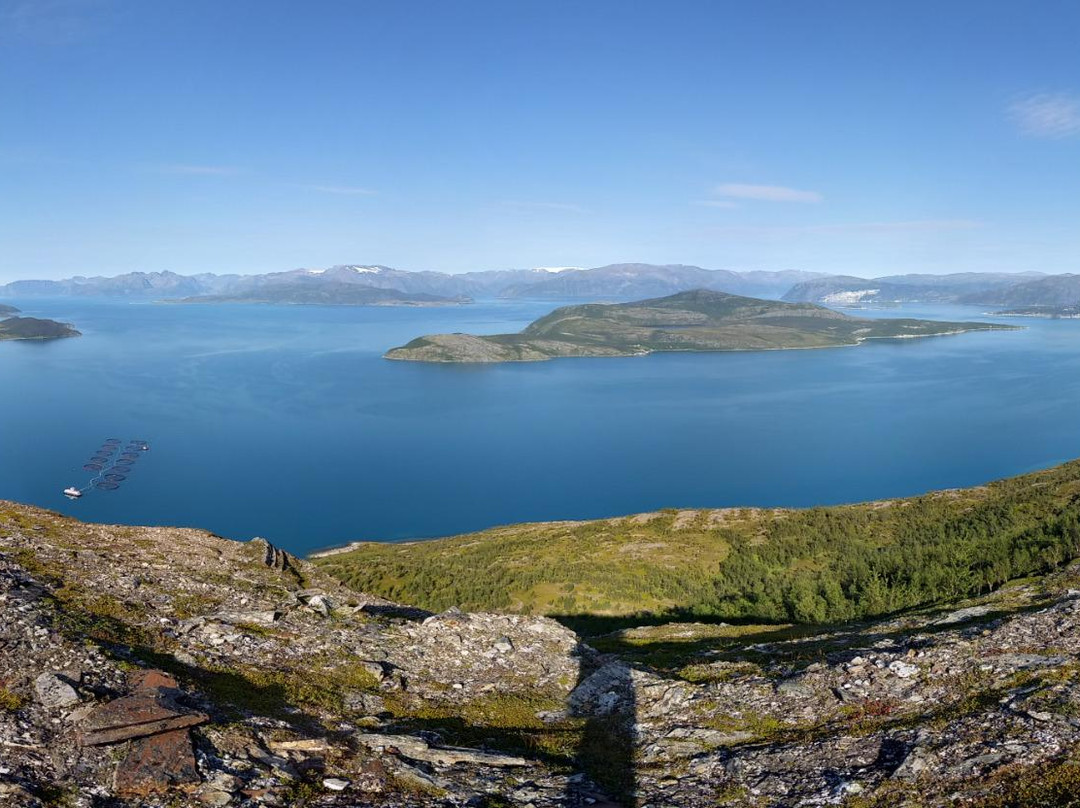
column 164, row 667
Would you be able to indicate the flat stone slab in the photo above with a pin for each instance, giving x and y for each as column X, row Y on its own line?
column 151, row 709
column 117, row 734
column 157, row 763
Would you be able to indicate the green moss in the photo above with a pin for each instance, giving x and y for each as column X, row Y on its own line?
column 509, row 719
column 708, row 674
column 11, row 701
column 270, row 692
column 1052, row 785
column 100, row 617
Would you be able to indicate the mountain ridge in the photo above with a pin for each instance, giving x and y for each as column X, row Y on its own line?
column 619, row 281
column 962, row 287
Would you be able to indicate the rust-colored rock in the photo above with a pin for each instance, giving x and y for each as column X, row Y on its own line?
column 118, row 734
column 157, row 763
column 151, row 680
column 134, row 717
column 151, row 709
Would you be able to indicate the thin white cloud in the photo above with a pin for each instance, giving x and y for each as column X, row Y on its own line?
column 913, row 226
column 343, row 190
column 563, row 206
column 1052, row 116
column 716, row 203
column 198, row 170
column 53, row 22
column 854, row 228
column 766, row 193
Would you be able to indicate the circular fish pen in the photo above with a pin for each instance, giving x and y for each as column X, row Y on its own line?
column 110, row 465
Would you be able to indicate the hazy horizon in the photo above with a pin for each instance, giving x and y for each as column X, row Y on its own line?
column 553, row 270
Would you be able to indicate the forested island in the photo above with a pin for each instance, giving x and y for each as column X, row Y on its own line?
column 698, row 320
column 33, row 328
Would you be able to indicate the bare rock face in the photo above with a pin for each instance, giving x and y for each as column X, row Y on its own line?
column 273, row 557
column 156, row 667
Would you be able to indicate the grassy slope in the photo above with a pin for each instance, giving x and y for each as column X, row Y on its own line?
column 815, row 565
column 688, row 321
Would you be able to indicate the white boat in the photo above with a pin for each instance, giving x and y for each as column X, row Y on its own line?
column 72, row 493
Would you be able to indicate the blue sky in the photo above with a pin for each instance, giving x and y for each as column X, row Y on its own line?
column 852, row 137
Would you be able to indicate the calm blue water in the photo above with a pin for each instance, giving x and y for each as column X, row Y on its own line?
column 285, row 422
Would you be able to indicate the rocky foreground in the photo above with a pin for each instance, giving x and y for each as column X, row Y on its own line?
column 169, row 667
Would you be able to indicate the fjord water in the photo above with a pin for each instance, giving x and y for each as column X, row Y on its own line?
column 285, row 422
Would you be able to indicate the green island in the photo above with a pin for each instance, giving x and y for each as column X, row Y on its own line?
column 698, row 320
column 1047, row 312
column 34, row 328
column 817, row 565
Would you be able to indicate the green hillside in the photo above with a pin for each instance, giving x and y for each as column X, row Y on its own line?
column 699, row 320
column 34, row 328
column 810, row 566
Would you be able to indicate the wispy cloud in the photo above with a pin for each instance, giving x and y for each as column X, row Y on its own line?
column 911, row 226
column 52, row 22
column 198, row 170
column 766, row 193
column 563, row 206
column 344, row 190
column 716, row 203
column 1047, row 115
column 854, row 228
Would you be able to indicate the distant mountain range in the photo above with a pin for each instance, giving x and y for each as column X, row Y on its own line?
column 328, row 294
column 611, row 283
column 337, row 284
column 1050, row 290
column 636, row 281
column 140, row 285
column 976, row 288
